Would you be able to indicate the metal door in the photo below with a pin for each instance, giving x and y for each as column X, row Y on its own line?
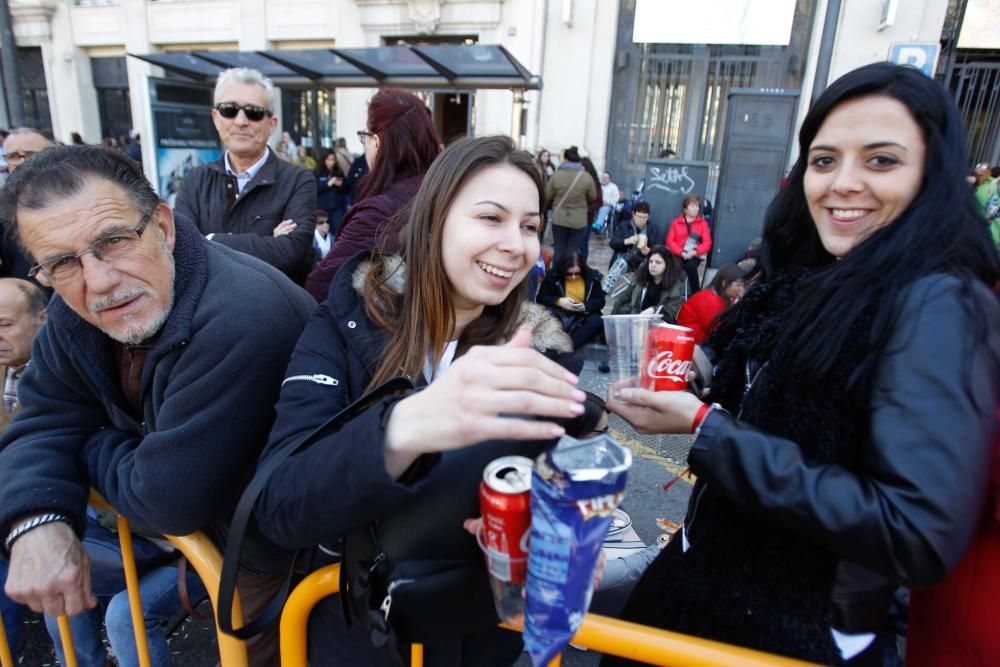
column 975, row 83
column 757, row 137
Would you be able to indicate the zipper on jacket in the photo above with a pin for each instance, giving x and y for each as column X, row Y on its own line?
column 318, row 378
column 387, row 602
column 748, row 385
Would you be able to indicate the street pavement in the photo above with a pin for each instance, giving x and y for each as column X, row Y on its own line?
column 656, row 459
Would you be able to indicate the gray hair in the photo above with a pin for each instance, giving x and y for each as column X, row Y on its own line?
column 248, row 76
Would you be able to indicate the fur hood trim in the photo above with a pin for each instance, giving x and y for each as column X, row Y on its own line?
column 547, row 334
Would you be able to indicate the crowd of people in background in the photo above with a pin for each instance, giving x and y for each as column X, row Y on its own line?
column 855, row 355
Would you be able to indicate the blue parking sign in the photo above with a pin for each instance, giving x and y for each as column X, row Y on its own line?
column 922, row 55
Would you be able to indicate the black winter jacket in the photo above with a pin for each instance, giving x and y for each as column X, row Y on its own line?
column 279, row 191
column 553, row 289
column 340, row 483
column 623, row 230
column 208, row 387
column 812, row 507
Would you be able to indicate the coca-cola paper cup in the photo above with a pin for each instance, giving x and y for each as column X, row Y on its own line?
column 626, row 336
column 669, row 350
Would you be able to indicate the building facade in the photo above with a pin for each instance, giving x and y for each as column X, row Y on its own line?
column 621, row 101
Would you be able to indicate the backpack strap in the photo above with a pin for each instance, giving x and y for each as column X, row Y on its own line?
column 566, row 194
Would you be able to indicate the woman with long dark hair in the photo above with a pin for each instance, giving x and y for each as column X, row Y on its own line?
column 449, row 312
column 543, row 160
column 593, row 206
column 700, row 311
column 658, row 287
column 572, row 292
column 847, row 450
column 330, row 190
column 400, row 144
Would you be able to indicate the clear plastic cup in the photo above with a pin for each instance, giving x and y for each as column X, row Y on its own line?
column 626, row 336
column 507, row 596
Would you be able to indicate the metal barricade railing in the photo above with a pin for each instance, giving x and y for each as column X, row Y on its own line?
column 206, row 560
column 599, row 633
column 6, row 657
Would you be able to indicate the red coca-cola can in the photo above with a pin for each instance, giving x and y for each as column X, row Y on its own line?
column 669, row 350
column 504, row 498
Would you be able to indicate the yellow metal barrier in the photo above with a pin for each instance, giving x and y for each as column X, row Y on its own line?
column 66, row 634
column 599, row 633
column 206, row 561
column 203, row 557
column 6, row 659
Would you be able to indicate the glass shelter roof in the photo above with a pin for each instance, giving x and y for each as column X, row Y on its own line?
column 454, row 66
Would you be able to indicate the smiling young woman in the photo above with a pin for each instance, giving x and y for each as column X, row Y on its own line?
column 450, row 313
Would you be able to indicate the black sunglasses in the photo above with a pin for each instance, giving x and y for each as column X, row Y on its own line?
column 251, row 111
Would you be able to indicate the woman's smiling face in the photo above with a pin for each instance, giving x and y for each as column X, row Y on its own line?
column 490, row 237
column 865, row 168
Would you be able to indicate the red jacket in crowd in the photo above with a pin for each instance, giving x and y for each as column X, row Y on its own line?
column 957, row 622
column 677, row 235
column 698, row 312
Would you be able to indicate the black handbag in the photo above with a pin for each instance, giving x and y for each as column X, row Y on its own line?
column 417, row 575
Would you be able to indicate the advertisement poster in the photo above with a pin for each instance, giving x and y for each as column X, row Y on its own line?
column 184, row 140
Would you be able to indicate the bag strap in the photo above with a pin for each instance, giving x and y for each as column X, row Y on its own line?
column 562, row 200
column 241, row 517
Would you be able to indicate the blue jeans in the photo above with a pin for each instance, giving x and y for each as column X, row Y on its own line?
column 160, row 602
column 11, row 612
column 603, row 218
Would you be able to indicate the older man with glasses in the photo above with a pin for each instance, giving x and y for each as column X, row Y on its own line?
column 153, row 381
column 250, row 200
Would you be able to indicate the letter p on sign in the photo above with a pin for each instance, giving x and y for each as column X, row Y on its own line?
column 921, row 56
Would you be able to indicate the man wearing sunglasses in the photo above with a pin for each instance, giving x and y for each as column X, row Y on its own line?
column 250, row 200
column 153, row 381
column 20, row 144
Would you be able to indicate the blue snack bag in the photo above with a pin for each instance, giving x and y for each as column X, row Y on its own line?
column 575, row 489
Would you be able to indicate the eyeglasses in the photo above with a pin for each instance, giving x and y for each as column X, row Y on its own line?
column 253, row 112
column 573, row 274
column 364, row 134
column 113, row 245
column 18, row 156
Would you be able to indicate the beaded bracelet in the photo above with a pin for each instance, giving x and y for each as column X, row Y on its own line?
column 32, row 523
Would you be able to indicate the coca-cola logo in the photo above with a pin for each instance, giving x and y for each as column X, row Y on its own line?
column 664, row 365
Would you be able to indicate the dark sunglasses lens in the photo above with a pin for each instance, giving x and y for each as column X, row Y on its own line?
column 230, row 111
column 254, row 113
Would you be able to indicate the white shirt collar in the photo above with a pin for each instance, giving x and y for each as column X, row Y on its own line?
column 246, row 176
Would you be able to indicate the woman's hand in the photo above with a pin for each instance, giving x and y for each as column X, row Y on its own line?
column 284, row 227
column 654, row 411
column 569, row 304
column 478, row 398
